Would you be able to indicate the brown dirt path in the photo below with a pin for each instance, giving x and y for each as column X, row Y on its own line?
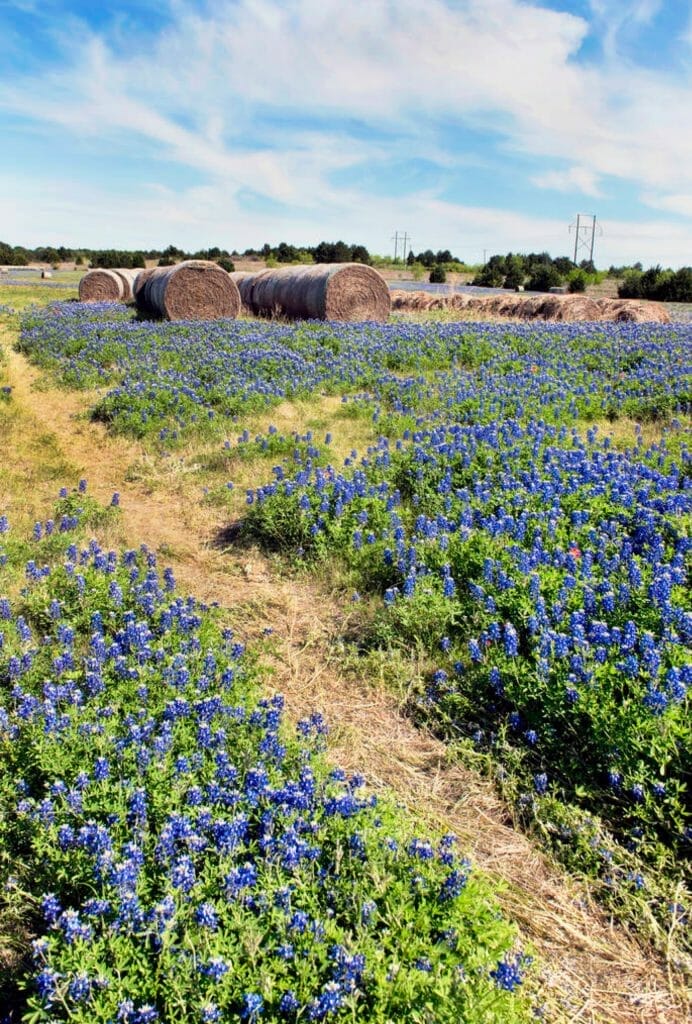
column 592, row 970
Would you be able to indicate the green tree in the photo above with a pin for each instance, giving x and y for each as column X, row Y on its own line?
column 492, row 275
column 514, row 271
column 576, row 281
column 359, row 254
column 544, row 276
column 631, row 287
column 563, row 265
column 286, row 253
column 680, row 286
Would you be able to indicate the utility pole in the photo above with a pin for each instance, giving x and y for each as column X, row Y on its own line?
column 404, row 238
column 407, row 242
column 584, row 235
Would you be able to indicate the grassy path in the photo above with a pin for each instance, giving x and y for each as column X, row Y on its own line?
column 592, row 971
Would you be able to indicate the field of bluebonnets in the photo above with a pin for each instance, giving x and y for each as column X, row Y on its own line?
column 493, row 524
column 178, row 853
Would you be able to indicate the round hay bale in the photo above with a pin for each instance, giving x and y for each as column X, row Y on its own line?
column 192, row 290
column 138, row 288
column 128, row 277
column 101, row 285
column 327, row 291
column 244, row 280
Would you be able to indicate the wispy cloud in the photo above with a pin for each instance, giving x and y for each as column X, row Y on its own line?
column 279, row 98
column 579, row 179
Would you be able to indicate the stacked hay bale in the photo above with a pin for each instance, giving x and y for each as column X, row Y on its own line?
column 244, row 280
column 128, row 278
column 139, row 282
column 102, row 285
column 192, row 290
column 326, row 291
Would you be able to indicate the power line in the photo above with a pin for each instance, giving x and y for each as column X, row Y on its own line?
column 404, row 238
column 584, row 235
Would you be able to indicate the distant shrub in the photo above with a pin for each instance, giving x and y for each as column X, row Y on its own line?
column 544, row 277
column 577, row 281
column 514, row 278
column 658, row 284
column 438, row 275
column 166, row 261
column 631, row 287
column 226, row 263
column 679, row 287
column 489, row 276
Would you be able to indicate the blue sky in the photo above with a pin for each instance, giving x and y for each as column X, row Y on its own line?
column 473, row 125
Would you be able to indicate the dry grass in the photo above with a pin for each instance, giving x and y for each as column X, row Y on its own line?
column 591, row 970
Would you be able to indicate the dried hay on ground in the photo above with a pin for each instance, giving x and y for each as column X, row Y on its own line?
column 557, row 308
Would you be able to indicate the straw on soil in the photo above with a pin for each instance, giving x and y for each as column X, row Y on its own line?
column 327, row 291
column 565, row 308
column 101, row 285
column 192, row 290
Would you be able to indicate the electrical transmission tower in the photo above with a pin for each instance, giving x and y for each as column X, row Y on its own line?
column 584, row 235
column 404, row 239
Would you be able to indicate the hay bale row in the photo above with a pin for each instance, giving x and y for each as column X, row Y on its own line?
column 201, row 290
column 327, row 291
column 192, row 290
column 100, row 285
column 244, row 280
column 554, row 308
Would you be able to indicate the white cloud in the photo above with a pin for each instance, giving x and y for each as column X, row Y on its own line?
column 613, row 19
column 200, row 96
column 679, row 204
column 580, row 179
column 208, row 215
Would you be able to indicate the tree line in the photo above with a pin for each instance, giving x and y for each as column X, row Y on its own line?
column 284, row 252
column 539, row 272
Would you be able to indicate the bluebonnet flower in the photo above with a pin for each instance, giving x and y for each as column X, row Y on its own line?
column 214, row 968
column 509, row 974
column 540, row 783
column 289, row 1003
column 253, row 1006
column 210, row 1013
column 206, row 916
column 330, row 999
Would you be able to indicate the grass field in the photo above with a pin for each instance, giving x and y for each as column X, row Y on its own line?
column 381, row 572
